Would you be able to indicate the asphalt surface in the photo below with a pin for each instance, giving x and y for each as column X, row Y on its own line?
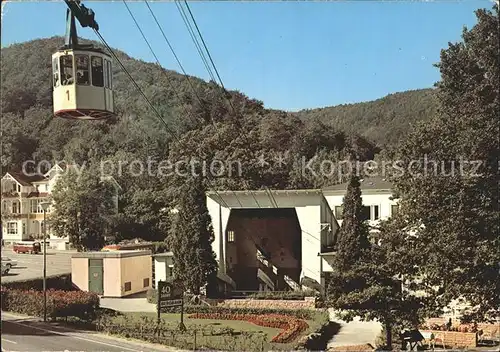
column 29, row 334
column 30, row 266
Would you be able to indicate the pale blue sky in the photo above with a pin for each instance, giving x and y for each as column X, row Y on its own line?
column 291, row 55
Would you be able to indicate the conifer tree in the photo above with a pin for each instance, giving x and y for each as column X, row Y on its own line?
column 191, row 237
column 353, row 239
column 364, row 282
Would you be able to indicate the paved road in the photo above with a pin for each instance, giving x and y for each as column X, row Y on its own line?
column 30, row 266
column 29, row 334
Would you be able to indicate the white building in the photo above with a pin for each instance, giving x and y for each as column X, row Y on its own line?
column 279, row 239
column 22, row 216
column 163, row 267
column 376, row 194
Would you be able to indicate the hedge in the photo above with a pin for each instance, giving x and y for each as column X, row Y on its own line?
column 55, row 282
column 305, row 314
column 269, row 295
column 283, row 295
column 83, row 305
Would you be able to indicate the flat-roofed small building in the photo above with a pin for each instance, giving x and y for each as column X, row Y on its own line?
column 163, row 267
column 112, row 274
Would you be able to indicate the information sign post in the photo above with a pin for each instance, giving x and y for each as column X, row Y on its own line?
column 170, row 295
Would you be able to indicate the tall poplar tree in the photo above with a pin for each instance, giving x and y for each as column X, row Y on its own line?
column 191, row 237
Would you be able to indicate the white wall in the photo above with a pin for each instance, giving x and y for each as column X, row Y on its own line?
column 161, row 264
column 310, row 224
column 381, row 199
column 219, row 244
column 14, row 237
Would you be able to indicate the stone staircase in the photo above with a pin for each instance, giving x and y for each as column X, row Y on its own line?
column 289, row 281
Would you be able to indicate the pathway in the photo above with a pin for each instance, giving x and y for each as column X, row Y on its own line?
column 355, row 332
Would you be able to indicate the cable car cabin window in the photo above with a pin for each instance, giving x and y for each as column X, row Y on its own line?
column 55, row 72
column 97, row 72
column 66, row 62
column 110, row 75
column 82, row 69
column 106, row 75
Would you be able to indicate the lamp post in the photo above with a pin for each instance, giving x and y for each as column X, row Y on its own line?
column 44, row 206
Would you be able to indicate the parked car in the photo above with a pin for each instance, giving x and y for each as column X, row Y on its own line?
column 8, row 262
column 31, row 247
column 5, row 269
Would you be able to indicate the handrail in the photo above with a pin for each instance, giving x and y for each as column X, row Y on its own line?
column 264, row 277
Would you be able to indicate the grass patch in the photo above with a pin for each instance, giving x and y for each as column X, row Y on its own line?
column 172, row 320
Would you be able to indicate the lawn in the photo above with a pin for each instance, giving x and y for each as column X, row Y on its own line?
column 173, row 320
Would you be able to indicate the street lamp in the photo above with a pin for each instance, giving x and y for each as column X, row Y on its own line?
column 44, row 206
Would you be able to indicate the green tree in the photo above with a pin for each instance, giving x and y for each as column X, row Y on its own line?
column 451, row 203
column 191, row 237
column 354, row 233
column 366, row 278
column 83, row 207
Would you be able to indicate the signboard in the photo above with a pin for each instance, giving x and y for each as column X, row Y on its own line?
column 169, row 295
column 171, row 303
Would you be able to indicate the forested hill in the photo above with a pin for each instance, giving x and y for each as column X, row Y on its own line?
column 384, row 121
column 200, row 122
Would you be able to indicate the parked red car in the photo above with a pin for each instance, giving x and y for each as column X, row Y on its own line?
column 31, row 247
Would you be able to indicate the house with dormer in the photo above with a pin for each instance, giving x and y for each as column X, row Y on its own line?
column 22, row 215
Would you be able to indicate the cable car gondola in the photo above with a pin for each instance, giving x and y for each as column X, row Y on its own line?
column 82, row 75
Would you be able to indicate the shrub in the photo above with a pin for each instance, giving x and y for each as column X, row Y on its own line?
column 78, row 304
column 152, row 295
column 55, row 282
column 305, row 314
column 283, row 295
column 291, row 328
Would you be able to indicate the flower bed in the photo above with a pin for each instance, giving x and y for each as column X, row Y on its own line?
column 291, row 327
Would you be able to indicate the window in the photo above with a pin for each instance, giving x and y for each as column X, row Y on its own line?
column 230, row 236
column 35, row 206
column 376, row 214
column 82, row 69
column 339, row 212
column 145, row 282
column 128, row 286
column 106, row 76
column 12, row 228
column 55, row 72
column 365, row 214
column 394, row 209
column 170, row 271
column 19, row 188
column 4, row 206
column 110, row 75
column 97, row 72
column 66, row 62
column 16, row 207
column 24, row 228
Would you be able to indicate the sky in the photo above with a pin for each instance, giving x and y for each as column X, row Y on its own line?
column 292, row 55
